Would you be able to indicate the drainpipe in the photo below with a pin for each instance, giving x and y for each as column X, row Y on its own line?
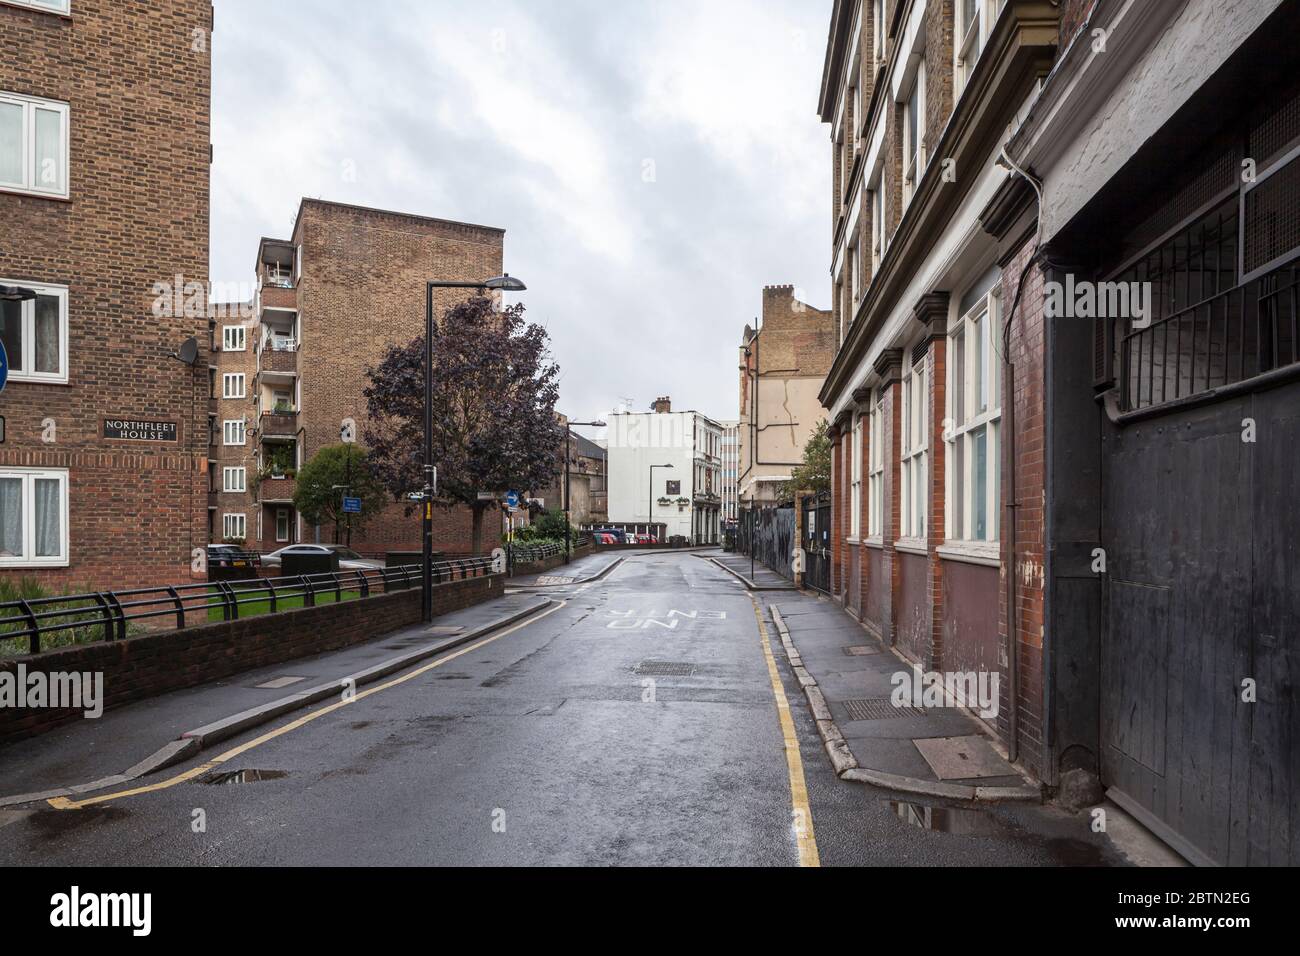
column 1008, row 384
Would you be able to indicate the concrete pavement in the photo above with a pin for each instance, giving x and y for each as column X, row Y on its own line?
column 636, row 723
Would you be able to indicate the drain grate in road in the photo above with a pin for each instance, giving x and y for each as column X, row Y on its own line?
column 860, row 650
column 665, row 668
column 879, row 708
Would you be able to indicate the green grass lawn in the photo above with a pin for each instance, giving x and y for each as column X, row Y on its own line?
column 260, row 603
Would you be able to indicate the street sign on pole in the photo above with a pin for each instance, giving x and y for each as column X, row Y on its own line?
column 4, row 367
column 512, row 499
column 352, row 506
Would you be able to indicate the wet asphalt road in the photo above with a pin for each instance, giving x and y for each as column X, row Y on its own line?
column 551, row 745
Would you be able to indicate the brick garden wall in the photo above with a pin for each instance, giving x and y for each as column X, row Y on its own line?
column 153, row 664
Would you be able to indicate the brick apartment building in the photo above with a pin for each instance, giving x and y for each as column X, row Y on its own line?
column 782, row 366
column 287, row 381
column 1079, row 504
column 104, row 169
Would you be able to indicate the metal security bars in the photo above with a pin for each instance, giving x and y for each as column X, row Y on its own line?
column 1241, row 332
column 107, row 615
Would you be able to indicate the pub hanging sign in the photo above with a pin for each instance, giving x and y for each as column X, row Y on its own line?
column 132, row 429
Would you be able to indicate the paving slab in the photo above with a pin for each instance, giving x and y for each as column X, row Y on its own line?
column 940, row 748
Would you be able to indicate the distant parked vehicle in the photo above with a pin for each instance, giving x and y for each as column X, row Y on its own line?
column 609, row 535
column 643, row 538
column 230, row 556
column 349, row 560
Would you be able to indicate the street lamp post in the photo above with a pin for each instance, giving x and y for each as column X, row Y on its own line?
column 568, row 534
column 651, row 512
column 504, row 283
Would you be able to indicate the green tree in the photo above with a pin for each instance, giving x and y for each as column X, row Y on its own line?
column 548, row 526
column 814, row 474
column 322, row 483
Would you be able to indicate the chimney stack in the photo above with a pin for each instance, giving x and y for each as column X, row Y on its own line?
column 662, row 405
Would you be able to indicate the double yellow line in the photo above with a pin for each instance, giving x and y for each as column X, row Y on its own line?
column 801, row 813
column 63, row 803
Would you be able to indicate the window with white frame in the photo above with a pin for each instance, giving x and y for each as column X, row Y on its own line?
column 234, row 479
column 878, row 30
column 855, row 483
column 33, row 145
column 33, row 517
column 232, row 385
column 877, row 224
column 914, row 450
column 233, row 432
column 876, row 470
column 974, row 413
column 35, row 334
column 914, row 134
column 234, row 527
column 54, row 6
column 281, row 525
column 234, row 338
column 974, row 23
column 855, row 276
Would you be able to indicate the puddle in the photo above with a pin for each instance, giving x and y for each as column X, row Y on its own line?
column 240, row 776
column 946, row 819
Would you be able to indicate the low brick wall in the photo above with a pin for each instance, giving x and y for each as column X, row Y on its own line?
column 152, row 664
column 551, row 563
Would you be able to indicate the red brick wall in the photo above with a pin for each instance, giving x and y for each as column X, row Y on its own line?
column 143, row 667
column 137, row 81
column 1027, row 564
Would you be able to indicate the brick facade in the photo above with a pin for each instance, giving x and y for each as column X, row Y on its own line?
column 349, row 283
column 136, row 82
column 934, row 597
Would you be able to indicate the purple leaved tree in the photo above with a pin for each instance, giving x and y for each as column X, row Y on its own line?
column 494, row 394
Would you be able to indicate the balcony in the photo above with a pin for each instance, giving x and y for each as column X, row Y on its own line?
column 282, row 423
column 280, row 359
column 272, row 490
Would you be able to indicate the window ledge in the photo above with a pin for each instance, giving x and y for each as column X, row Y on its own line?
column 32, row 193
column 22, row 563
column 18, row 379
column 877, row 542
column 912, row 546
column 972, row 552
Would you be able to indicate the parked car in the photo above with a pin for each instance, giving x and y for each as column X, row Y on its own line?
column 349, row 560
column 609, row 535
column 231, row 556
column 643, row 538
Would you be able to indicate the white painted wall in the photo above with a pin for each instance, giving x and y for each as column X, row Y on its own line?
column 638, row 440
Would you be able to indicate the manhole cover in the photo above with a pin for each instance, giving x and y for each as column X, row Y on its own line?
column 879, row 708
column 665, row 668
column 240, row 776
column 860, row 650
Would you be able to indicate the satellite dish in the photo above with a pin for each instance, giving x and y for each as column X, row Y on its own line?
column 189, row 351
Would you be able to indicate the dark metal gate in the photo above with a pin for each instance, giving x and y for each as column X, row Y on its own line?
column 816, row 542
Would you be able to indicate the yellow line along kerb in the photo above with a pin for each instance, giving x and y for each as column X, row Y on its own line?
column 63, row 803
column 802, row 813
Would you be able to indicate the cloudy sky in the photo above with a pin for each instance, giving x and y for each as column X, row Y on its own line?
column 654, row 164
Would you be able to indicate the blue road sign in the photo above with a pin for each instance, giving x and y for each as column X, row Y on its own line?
column 352, row 506
column 4, row 366
column 512, row 499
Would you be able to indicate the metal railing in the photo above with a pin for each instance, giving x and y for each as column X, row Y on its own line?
column 528, row 553
column 1230, row 337
column 110, row 612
